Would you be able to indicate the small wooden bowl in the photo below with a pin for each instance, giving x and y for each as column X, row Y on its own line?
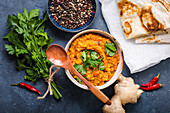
column 119, row 49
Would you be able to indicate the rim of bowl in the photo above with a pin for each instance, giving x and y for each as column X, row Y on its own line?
column 73, row 29
column 120, row 65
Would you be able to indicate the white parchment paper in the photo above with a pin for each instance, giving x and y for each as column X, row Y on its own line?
column 138, row 57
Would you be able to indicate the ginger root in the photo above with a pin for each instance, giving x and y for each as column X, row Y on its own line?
column 126, row 91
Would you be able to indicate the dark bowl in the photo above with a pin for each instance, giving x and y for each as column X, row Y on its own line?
column 86, row 25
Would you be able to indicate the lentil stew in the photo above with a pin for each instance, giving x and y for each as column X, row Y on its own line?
column 95, row 43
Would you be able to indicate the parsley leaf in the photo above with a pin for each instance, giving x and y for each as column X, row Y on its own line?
column 80, row 68
column 79, row 80
column 10, row 49
column 110, row 46
column 109, row 52
column 86, row 78
column 29, row 71
column 110, row 49
column 93, row 63
column 25, row 13
column 93, row 55
column 100, row 59
column 33, row 13
column 101, row 67
column 83, row 56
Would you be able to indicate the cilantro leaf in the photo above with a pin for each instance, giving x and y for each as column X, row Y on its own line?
column 91, row 62
column 110, row 49
column 109, row 52
column 33, row 13
column 110, row 46
column 20, row 64
column 101, row 67
column 100, row 59
column 25, row 13
column 80, row 68
column 79, row 80
column 93, row 55
column 29, row 72
column 45, row 16
column 10, row 49
column 86, row 78
column 83, row 56
column 20, row 17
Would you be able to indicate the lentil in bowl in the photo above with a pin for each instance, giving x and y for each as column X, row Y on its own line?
column 89, row 55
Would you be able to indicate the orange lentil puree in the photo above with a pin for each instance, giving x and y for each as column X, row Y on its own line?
column 94, row 42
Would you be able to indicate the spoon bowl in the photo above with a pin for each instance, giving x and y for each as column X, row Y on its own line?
column 57, row 55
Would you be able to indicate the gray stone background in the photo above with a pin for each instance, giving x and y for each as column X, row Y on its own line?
column 75, row 100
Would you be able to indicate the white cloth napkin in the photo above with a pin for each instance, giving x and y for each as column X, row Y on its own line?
column 138, row 57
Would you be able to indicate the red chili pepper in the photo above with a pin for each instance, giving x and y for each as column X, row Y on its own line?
column 24, row 85
column 54, row 17
column 153, row 87
column 152, row 82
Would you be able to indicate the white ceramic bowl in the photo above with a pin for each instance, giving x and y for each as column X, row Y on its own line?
column 120, row 65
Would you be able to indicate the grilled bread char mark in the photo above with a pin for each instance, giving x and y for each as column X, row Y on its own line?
column 148, row 21
column 165, row 3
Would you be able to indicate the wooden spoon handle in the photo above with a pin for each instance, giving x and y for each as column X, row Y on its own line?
column 100, row 95
column 92, row 88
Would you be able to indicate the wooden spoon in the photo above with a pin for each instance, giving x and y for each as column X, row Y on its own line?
column 58, row 56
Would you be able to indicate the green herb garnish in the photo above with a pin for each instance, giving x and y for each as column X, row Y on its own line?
column 110, row 49
column 101, row 67
column 86, row 78
column 93, row 55
column 28, row 43
column 83, row 56
column 93, row 61
column 80, row 68
column 79, row 80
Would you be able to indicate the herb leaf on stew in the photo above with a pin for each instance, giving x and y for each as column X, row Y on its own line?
column 80, row 68
column 110, row 48
column 83, row 56
column 79, row 80
column 101, row 67
column 93, row 55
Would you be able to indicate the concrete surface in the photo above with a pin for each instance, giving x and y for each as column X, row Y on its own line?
column 75, row 100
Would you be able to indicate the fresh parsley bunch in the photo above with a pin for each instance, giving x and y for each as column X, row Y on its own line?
column 28, row 42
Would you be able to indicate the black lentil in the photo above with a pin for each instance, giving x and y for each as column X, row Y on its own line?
column 71, row 14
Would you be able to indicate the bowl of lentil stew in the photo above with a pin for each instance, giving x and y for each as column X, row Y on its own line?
column 71, row 15
column 93, row 42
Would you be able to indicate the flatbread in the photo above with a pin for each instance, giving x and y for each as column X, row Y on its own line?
column 145, row 19
column 158, row 38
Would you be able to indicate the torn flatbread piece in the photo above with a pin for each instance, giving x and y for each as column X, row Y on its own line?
column 158, row 38
column 141, row 18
